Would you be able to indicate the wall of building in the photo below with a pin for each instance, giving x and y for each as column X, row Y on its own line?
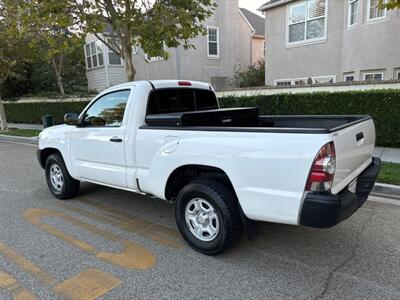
column 96, row 77
column 192, row 64
column 305, row 60
column 368, row 46
column 371, row 45
column 257, row 50
column 246, row 45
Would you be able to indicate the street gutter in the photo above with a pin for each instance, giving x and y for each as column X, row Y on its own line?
column 19, row 139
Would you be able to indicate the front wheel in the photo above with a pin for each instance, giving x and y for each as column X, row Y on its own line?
column 60, row 183
column 207, row 215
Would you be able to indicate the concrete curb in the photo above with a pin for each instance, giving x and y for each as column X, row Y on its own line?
column 387, row 190
column 18, row 139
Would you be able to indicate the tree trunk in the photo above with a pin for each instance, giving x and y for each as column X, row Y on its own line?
column 3, row 120
column 130, row 68
column 57, row 70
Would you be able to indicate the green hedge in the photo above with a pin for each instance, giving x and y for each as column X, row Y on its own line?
column 32, row 113
column 382, row 105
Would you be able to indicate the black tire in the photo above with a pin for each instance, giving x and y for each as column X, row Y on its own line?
column 70, row 186
column 226, row 207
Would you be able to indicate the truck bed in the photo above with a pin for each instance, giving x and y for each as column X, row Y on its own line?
column 248, row 119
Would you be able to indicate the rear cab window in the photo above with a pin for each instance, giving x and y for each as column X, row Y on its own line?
column 175, row 100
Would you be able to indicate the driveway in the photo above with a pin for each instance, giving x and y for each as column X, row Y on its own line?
column 117, row 245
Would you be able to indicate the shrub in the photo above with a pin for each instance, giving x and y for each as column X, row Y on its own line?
column 32, row 113
column 382, row 105
column 254, row 76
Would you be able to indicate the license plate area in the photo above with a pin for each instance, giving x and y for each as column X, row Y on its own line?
column 353, row 186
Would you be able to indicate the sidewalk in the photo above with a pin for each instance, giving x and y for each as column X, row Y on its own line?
column 388, row 154
column 385, row 154
column 25, row 126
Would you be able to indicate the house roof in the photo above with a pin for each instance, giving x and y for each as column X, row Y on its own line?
column 257, row 22
column 273, row 3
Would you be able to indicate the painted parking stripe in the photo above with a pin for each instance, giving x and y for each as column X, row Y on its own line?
column 133, row 256
column 10, row 284
column 90, row 284
column 133, row 224
column 87, row 285
column 27, row 266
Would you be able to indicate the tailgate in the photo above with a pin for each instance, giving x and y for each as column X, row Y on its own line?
column 354, row 146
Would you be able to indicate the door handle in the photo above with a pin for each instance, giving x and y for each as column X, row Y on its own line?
column 359, row 136
column 116, row 140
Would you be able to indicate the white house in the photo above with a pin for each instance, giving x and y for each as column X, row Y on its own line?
column 234, row 41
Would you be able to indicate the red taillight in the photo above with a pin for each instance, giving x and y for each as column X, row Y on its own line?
column 322, row 170
column 184, row 83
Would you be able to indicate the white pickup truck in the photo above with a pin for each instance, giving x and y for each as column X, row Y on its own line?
column 224, row 168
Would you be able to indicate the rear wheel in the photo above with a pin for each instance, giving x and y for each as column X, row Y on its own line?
column 207, row 215
column 60, row 183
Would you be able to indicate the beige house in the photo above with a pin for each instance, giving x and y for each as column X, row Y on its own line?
column 330, row 41
column 253, row 26
column 234, row 41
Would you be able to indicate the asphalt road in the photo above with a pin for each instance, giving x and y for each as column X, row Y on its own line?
column 116, row 245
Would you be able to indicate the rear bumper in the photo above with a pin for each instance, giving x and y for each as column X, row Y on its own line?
column 327, row 210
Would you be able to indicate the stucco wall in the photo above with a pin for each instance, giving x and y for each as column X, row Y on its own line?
column 245, row 43
column 306, row 60
column 368, row 46
column 192, row 64
column 372, row 45
column 257, row 50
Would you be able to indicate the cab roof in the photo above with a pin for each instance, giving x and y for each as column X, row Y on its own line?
column 160, row 84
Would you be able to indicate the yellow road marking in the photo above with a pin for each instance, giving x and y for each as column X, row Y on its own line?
column 11, row 285
column 26, row 265
column 158, row 233
column 88, row 285
column 133, row 255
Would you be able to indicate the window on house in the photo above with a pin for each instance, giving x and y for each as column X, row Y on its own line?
column 307, row 21
column 398, row 75
column 353, row 12
column 374, row 11
column 349, row 78
column 113, row 58
column 283, row 82
column 373, row 77
column 213, row 42
column 94, row 55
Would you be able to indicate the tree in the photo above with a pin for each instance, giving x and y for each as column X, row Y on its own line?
column 13, row 50
column 391, row 4
column 53, row 34
column 150, row 24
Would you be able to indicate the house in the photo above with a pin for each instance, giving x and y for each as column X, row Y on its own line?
column 330, row 41
column 253, row 26
column 235, row 40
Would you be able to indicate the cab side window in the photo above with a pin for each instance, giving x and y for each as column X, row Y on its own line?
column 107, row 111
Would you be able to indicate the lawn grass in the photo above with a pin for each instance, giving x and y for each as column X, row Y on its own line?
column 390, row 173
column 21, row 132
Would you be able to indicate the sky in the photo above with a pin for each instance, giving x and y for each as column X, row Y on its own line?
column 252, row 5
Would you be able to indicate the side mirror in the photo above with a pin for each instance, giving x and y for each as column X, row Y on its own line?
column 71, row 119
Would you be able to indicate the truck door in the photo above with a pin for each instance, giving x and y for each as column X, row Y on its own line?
column 97, row 145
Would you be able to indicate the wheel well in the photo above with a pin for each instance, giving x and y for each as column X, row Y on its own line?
column 45, row 153
column 185, row 174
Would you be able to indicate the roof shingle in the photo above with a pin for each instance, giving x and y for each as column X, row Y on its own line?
column 257, row 22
